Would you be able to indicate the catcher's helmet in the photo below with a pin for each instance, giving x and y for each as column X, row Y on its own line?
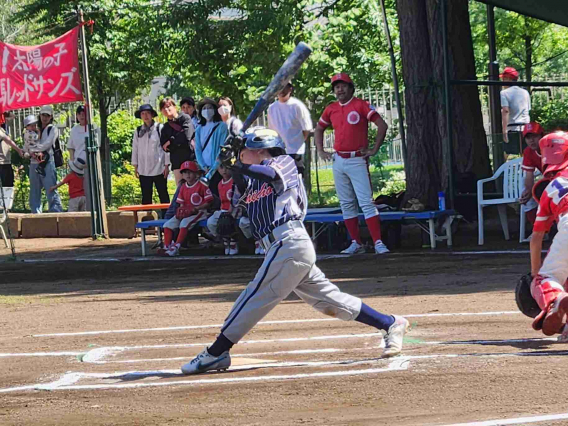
column 554, row 151
column 525, row 302
column 263, row 138
column 30, row 119
column 189, row 165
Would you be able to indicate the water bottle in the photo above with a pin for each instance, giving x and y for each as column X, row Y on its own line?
column 441, row 200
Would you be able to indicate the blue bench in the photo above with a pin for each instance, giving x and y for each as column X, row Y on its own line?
column 326, row 216
column 425, row 220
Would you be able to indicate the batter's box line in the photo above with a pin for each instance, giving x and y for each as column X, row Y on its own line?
column 68, row 380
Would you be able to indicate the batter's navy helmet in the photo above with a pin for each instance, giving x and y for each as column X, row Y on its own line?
column 263, row 138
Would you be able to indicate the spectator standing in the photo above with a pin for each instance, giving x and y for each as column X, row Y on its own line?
column 291, row 119
column 349, row 117
column 209, row 138
column 6, row 145
column 176, row 136
column 228, row 114
column 187, row 106
column 151, row 163
column 78, row 149
column 48, row 135
column 515, row 108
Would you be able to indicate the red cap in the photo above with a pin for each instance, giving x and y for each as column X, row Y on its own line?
column 189, row 165
column 342, row 76
column 509, row 72
column 533, row 127
column 554, row 151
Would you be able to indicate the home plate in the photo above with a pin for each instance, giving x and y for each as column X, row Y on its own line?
column 250, row 361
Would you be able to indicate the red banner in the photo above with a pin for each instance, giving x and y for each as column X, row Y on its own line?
column 40, row 75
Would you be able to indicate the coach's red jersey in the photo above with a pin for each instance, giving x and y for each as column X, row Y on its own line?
column 226, row 193
column 195, row 195
column 350, row 122
column 553, row 202
column 531, row 160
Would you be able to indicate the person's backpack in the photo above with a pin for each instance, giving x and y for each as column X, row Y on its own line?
column 57, row 152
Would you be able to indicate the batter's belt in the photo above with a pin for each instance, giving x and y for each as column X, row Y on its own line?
column 280, row 233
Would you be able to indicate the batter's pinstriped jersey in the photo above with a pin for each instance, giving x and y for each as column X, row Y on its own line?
column 271, row 205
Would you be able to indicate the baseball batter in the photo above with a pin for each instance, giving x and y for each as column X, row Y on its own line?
column 276, row 204
column 350, row 117
column 548, row 287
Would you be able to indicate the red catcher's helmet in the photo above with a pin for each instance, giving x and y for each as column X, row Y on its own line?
column 554, row 151
column 533, row 127
column 342, row 76
column 189, row 165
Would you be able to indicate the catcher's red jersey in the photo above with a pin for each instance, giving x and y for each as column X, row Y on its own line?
column 195, row 195
column 226, row 193
column 553, row 202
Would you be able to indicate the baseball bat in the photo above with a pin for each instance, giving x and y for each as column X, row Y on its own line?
column 284, row 75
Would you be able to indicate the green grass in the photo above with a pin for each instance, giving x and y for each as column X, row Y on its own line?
column 379, row 179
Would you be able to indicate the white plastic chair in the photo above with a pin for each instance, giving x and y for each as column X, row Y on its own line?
column 8, row 201
column 513, row 177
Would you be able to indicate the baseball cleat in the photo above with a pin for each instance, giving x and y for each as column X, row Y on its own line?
column 394, row 336
column 207, row 362
column 233, row 249
column 554, row 320
column 354, row 248
column 380, row 247
column 563, row 338
column 173, row 250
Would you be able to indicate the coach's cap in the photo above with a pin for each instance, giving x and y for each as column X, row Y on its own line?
column 46, row 109
column 189, row 165
column 510, row 72
column 534, row 128
column 342, row 76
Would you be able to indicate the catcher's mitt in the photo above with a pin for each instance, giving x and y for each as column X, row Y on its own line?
column 226, row 225
column 183, row 212
column 525, row 302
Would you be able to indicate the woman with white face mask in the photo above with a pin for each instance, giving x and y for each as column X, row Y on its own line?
column 210, row 136
column 228, row 114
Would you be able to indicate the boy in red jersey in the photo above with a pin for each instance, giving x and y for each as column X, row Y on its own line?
column 193, row 199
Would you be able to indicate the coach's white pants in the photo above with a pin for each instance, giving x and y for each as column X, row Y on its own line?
column 289, row 266
column 353, row 185
column 554, row 269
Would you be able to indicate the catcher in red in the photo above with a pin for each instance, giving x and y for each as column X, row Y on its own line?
column 548, row 286
column 193, row 199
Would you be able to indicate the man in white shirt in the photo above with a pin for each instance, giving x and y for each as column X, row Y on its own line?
column 291, row 119
column 77, row 148
column 515, row 107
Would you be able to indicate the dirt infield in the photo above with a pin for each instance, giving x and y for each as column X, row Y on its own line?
column 101, row 343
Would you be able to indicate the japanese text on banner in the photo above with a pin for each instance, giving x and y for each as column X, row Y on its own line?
column 40, row 75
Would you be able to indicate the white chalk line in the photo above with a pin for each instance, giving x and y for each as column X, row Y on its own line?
column 64, row 353
column 515, row 421
column 66, row 382
column 198, row 327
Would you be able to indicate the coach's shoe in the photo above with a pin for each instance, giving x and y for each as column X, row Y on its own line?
column 554, row 319
column 354, row 248
column 380, row 247
column 173, row 250
column 393, row 338
column 207, row 362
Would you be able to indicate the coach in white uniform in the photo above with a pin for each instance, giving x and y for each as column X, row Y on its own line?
column 350, row 117
column 291, row 119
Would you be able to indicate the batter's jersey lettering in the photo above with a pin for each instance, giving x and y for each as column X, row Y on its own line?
column 531, row 160
column 553, row 203
column 350, row 121
column 226, row 193
column 195, row 195
column 270, row 205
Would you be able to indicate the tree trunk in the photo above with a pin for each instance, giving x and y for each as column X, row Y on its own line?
column 423, row 145
column 423, row 70
column 528, row 52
